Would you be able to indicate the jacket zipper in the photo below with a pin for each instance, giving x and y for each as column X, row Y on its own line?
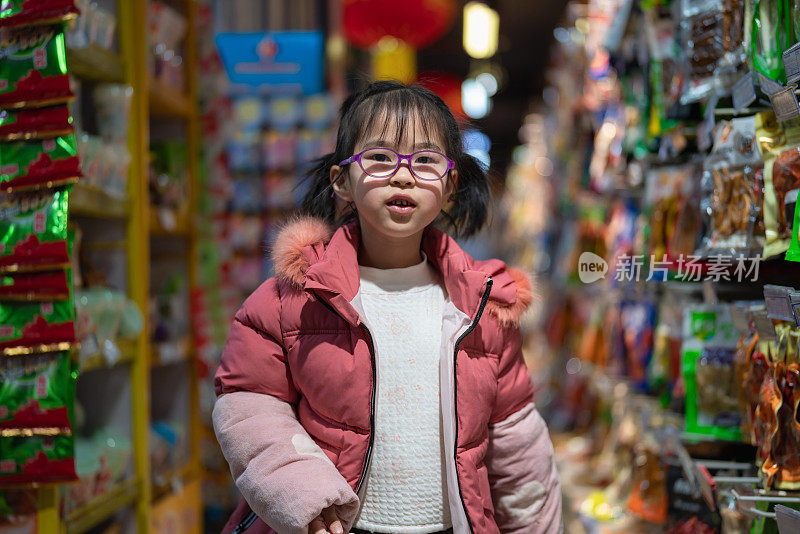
column 246, row 523
column 371, row 346
column 478, row 315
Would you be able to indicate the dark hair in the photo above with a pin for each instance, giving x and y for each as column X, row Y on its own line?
column 400, row 102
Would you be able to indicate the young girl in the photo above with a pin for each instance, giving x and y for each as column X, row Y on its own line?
column 376, row 383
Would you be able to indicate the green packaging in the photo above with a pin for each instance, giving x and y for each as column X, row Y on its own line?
column 26, row 458
column 709, row 342
column 30, row 165
column 32, row 327
column 18, row 12
column 793, row 254
column 37, row 391
column 33, row 67
column 33, row 232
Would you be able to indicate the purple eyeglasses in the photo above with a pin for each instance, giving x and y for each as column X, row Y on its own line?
column 379, row 162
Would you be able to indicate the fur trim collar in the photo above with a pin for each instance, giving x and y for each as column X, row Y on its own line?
column 291, row 258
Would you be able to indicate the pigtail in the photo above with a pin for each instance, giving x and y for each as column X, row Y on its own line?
column 470, row 207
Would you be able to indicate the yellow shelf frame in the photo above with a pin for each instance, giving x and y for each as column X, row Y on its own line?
column 151, row 99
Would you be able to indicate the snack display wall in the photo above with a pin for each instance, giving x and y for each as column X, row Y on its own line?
column 663, row 249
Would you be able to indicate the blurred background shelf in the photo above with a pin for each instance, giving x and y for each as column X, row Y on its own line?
column 168, row 102
column 88, row 201
column 94, row 63
column 101, row 508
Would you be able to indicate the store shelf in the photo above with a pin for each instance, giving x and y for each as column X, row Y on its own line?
column 168, row 102
column 89, row 201
column 171, row 353
column 127, row 349
column 88, row 516
column 95, row 63
column 180, row 228
column 176, row 478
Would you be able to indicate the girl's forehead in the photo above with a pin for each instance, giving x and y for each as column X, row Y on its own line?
column 394, row 130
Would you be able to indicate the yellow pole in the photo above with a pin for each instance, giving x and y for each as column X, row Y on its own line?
column 132, row 40
column 48, row 521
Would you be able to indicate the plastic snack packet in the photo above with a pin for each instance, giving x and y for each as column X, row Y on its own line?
column 26, row 459
column 35, row 124
column 33, row 67
column 35, row 286
column 28, row 328
column 733, row 191
column 37, row 391
column 33, row 232
column 30, row 165
column 793, row 254
column 27, row 12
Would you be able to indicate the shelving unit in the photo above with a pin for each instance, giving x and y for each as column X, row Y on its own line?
column 138, row 496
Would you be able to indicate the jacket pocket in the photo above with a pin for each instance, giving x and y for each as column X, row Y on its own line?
column 485, row 489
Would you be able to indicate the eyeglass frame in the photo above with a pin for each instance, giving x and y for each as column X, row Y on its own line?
column 356, row 158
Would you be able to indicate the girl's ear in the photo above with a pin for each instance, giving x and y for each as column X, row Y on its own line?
column 339, row 183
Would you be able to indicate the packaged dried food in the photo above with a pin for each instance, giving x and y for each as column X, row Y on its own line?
column 37, row 391
column 733, row 192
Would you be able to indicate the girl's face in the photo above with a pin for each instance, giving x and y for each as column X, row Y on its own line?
column 399, row 206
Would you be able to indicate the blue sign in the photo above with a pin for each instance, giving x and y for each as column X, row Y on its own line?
column 282, row 62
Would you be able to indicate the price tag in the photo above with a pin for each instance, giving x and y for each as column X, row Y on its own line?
column 768, row 85
column 785, row 105
column 791, row 63
column 764, row 326
column 794, row 299
column 744, row 93
column 779, row 306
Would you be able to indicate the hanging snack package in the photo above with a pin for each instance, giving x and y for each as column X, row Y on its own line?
column 733, row 192
column 30, row 165
column 33, row 327
column 33, row 232
column 772, row 32
column 33, row 67
column 672, row 198
column 713, row 33
column 26, row 459
column 712, row 403
column 35, row 123
column 780, row 145
column 52, row 285
column 37, row 391
column 793, row 254
column 27, row 12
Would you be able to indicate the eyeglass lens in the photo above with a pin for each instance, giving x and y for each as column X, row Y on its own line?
column 425, row 165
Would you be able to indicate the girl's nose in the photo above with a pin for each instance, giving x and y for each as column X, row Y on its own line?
column 402, row 177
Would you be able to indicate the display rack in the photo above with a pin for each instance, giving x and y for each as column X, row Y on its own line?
column 139, row 496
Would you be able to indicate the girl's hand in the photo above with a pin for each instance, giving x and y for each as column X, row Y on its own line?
column 326, row 523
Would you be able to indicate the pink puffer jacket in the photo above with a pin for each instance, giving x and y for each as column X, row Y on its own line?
column 296, row 390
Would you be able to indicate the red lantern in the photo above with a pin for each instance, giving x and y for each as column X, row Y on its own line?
column 417, row 22
column 448, row 87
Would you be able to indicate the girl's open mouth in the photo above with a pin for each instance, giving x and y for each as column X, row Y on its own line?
column 400, row 205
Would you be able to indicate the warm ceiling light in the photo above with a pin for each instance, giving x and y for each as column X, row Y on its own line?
column 481, row 27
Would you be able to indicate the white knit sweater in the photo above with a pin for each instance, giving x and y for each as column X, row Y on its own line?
column 405, row 490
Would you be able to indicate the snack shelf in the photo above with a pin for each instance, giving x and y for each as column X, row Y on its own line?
column 171, row 353
column 178, row 477
column 158, row 229
column 98, row 361
column 88, row 201
column 94, row 63
column 167, row 102
column 101, row 508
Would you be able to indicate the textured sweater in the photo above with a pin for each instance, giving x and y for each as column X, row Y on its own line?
column 405, row 489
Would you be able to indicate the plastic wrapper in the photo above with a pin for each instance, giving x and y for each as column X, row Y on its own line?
column 793, row 254
column 35, row 286
column 712, row 402
column 35, row 124
column 26, row 12
column 27, row 328
column 713, row 33
column 638, row 322
column 28, row 459
column 33, row 232
column 772, row 33
column 30, row 165
column 780, row 146
column 733, row 192
column 672, row 196
column 33, row 70
column 37, row 391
